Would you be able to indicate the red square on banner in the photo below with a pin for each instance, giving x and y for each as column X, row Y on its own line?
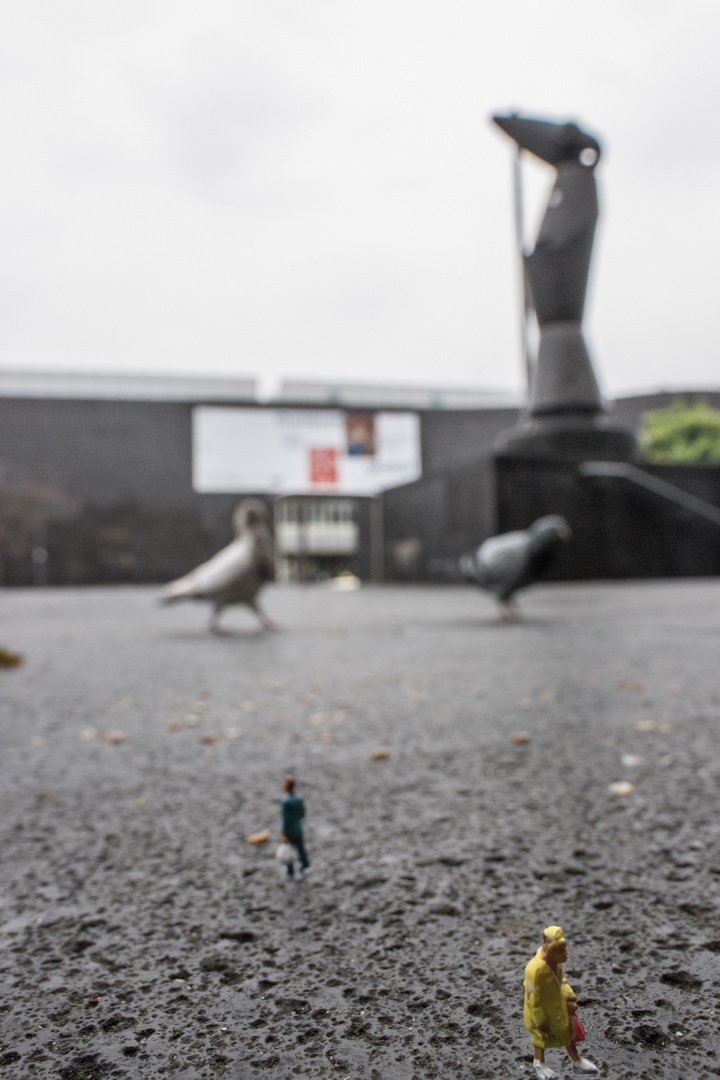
column 323, row 465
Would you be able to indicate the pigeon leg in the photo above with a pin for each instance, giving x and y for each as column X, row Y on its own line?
column 509, row 611
column 214, row 625
column 265, row 621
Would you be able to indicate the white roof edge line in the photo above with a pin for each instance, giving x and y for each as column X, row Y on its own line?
column 124, row 386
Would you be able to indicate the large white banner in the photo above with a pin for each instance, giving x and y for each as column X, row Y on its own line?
column 303, row 451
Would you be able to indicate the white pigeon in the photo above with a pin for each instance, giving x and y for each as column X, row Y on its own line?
column 506, row 563
column 237, row 573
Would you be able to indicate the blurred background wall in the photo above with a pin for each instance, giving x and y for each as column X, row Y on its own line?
column 96, row 486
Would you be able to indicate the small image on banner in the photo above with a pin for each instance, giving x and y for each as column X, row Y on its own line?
column 323, row 465
column 360, row 434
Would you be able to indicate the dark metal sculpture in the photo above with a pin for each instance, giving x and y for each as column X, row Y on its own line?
column 566, row 415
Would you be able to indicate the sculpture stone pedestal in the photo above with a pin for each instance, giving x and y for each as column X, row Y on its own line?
column 568, row 437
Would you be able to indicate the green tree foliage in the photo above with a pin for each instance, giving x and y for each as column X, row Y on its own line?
column 685, row 434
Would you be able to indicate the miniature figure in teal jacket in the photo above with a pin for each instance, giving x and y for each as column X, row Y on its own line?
column 551, row 1005
column 293, row 811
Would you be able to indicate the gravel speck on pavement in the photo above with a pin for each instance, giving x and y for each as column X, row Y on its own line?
column 458, row 776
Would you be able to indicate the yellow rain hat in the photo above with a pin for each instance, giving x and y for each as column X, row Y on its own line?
column 553, row 933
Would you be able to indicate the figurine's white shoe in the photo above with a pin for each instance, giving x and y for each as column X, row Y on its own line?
column 544, row 1072
column 583, row 1067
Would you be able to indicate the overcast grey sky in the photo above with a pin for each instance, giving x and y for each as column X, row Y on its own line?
column 313, row 188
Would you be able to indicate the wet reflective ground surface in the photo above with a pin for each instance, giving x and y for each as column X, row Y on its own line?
column 142, row 937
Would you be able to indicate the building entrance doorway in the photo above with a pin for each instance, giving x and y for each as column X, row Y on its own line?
column 316, row 537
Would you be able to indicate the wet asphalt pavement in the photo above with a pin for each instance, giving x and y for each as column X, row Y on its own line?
column 143, row 937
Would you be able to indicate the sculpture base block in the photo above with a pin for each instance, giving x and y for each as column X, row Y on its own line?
column 568, row 437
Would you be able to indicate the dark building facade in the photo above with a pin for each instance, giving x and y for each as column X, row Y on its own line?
column 96, row 485
column 105, row 488
column 96, row 480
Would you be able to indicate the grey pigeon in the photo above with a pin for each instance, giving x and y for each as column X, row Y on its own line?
column 237, row 573
column 504, row 564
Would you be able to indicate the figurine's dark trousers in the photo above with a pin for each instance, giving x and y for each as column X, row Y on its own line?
column 296, row 839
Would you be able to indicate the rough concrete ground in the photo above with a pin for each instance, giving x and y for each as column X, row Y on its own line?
column 143, row 937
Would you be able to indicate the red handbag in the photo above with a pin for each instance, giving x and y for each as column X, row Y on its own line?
column 578, row 1031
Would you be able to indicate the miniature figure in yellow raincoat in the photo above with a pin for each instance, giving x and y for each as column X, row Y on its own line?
column 550, row 1007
